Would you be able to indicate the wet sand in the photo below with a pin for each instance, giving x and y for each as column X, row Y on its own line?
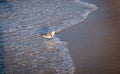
column 95, row 43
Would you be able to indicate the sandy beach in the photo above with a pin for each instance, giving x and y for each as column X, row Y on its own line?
column 95, row 43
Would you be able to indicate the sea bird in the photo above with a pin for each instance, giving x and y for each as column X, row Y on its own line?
column 47, row 32
column 48, row 35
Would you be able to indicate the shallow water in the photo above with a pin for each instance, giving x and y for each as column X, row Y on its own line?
column 23, row 50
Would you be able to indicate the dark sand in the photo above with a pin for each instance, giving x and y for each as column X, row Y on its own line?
column 95, row 43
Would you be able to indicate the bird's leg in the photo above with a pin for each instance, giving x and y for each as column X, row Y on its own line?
column 50, row 39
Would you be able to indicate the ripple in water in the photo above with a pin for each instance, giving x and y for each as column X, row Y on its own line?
column 23, row 50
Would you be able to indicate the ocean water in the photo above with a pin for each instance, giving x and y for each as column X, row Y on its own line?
column 23, row 50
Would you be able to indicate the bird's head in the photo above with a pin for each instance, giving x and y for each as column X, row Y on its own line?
column 53, row 32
